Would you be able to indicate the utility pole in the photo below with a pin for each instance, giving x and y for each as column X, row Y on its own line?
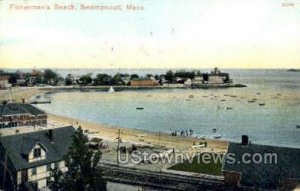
column 4, row 170
column 159, row 138
column 118, row 147
column 11, row 96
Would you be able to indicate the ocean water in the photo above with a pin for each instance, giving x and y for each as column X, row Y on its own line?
column 201, row 110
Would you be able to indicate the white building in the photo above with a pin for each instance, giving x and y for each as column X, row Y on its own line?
column 4, row 82
column 216, row 79
column 188, row 82
column 197, row 81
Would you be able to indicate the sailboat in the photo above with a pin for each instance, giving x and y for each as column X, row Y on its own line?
column 111, row 90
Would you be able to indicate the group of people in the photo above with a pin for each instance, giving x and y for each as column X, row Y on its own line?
column 183, row 133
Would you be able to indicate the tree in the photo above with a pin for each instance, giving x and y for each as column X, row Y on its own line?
column 169, row 76
column 50, row 75
column 117, row 79
column 82, row 162
column 86, row 79
column 103, row 79
column 134, row 76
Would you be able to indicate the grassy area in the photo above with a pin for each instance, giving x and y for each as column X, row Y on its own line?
column 201, row 164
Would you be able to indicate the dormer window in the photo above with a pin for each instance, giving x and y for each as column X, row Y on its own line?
column 37, row 152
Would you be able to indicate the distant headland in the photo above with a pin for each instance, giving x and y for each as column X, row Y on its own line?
column 293, row 70
column 171, row 79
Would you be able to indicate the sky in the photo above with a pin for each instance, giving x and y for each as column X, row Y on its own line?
column 165, row 34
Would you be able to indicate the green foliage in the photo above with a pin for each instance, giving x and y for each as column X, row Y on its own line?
column 50, row 75
column 86, row 79
column 117, row 79
column 198, row 166
column 169, row 76
column 134, row 76
column 184, row 74
column 82, row 173
column 103, row 79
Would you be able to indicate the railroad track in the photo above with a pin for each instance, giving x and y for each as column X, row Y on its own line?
column 158, row 180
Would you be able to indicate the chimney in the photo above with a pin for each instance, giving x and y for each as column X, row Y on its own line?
column 50, row 135
column 245, row 140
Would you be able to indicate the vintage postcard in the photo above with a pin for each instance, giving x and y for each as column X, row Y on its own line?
column 149, row 95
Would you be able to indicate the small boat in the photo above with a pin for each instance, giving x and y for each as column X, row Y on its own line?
column 261, row 104
column 251, row 101
column 111, row 89
column 298, row 126
column 217, row 136
column 201, row 137
column 229, row 108
column 214, row 130
column 223, row 100
column 139, row 108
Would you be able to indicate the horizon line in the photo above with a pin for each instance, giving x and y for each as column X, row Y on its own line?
column 176, row 68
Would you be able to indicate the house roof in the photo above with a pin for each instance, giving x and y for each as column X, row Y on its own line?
column 20, row 145
column 18, row 108
column 265, row 175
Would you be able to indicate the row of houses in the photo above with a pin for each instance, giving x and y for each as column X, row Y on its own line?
column 35, row 77
column 215, row 77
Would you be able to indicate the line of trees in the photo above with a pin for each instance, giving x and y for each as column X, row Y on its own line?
column 171, row 76
column 50, row 77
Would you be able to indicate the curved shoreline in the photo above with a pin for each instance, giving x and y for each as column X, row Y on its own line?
column 122, row 88
column 109, row 132
column 138, row 136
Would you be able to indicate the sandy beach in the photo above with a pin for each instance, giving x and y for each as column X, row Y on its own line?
column 138, row 136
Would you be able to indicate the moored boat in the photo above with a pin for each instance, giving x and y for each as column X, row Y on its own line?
column 217, row 136
column 111, row 89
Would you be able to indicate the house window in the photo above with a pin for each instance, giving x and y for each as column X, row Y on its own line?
column 33, row 172
column 37, row 152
